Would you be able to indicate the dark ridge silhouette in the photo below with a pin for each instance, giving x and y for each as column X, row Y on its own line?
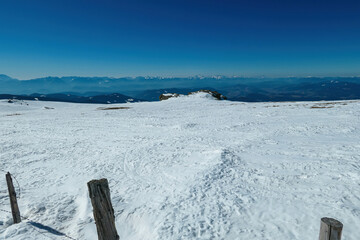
column 107, row 99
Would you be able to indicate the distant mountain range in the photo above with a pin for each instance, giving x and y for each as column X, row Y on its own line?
column 119, row 90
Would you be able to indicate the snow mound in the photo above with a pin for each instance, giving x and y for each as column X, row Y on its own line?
column 213, row 94
column 201, row 95
column 208, row 94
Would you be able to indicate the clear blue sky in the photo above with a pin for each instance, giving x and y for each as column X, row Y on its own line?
column 179, row 37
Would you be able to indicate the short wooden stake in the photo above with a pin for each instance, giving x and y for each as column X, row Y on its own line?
column 13, row 201
column 330, row 229
column 99, row 193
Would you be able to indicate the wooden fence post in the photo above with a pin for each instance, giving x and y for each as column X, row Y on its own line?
column 99, row 193
column 13, row 201
column 330, row 229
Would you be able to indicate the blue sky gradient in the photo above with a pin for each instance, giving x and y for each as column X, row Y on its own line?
column 179, row 38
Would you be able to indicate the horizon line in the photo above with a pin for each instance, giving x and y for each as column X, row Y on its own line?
column 214, row 76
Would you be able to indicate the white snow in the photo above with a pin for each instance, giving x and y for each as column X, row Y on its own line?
column 184, row 168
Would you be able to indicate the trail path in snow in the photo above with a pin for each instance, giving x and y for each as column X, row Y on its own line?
column 185, row 168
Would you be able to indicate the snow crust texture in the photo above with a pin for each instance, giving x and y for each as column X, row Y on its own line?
column 185, row 168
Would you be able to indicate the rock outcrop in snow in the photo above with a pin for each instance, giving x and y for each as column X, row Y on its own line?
column 214, row 94
column 166, row 96
column 200, row 93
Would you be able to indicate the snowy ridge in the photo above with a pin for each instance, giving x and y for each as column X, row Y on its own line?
column 184, row 168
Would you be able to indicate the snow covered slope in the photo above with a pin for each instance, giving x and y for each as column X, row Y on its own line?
column 184, row 168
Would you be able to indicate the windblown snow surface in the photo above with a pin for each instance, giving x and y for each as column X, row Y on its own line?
column 185, row 168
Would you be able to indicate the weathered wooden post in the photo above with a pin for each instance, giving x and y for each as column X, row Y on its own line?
column 13, row 201
column 99, row 193
column 330, row 229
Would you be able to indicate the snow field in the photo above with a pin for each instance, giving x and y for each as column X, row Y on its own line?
column 185, row 168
